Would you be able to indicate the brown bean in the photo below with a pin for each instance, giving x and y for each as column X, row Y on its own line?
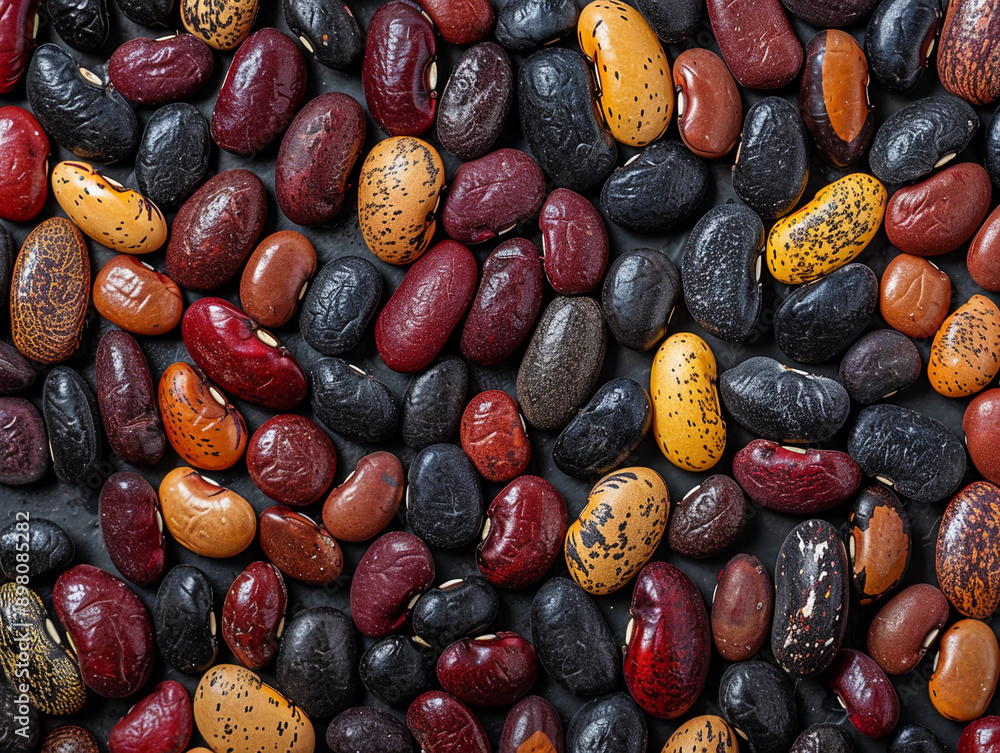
column 983, row 260
column 276, row 277
column 367, row 501
column 709, row 111
column 965, row 671
column 914, row 296
column 742, row 608
column 906, row 626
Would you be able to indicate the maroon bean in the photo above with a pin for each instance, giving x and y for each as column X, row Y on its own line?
column 24, row 443
column 16, row 374
column 741, row 608
column 906, row 627
column 494, row 437
column 532, row 725
column 254, row 614
column 863, row 689
column 291, row 460
column 574, row 242
column 426, row 307
column 757, row 41
column 127, row 400
column 443, row 724
column 132, row 527
column 507, row 304
column 491, row 670
column 161, row 722
column 109, row 629
column 316, row 157
column 475, row 101
column 460, row 23
column 298, row 547
column 708, row 519
column 396, row 568
column 492, row 194
column 981, row 736
column 157, row 71
column 983, row 260
column 216, row 229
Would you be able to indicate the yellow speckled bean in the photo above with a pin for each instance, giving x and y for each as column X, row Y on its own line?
column 703, row 734
column 965, row 355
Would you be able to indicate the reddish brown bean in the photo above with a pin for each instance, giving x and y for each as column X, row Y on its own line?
column 397, row 567
column 709, row 111
column 983, row 260
column 906, row 627
column 443, row 724
column 291, row 460
column 460, row 23
column 532, row 726
column 968, row 550
column 756, row 41
column 491, row 670
column 981, row 425
column 708, row 519
column 132, row 527
column 154, row 72
column 299, row 547
column 367, row 500
column 574, row 242
column 968, row 60
column 132, row 295
column 494, row 436
column 161, row 722
column 863, row 689
column 914, row 296
column 741, row 608
column 254, row 614
column 276, row 277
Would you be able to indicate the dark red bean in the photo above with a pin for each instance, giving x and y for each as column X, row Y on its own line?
column 157, row 71
column 460, row 23
column 132, row 527
column 493, row 435
column 16, row 373
column 291, row 460
column 24, row 443
column 397, row 567
column 254, row 613
column 863, row 689
column 983, row 260
column 981, row 736
column 475, row 101
column 24, row 159
column 18, row 25
column 298, row 547
column 443, row 724
column 757, row 41
column 491, row 670
column 741, row 608
column 161, row 722
column 532, row 725
column 574, row 242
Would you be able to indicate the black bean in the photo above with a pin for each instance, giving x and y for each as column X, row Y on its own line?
column 639, row 295
column 823, row 738
column 184, row 620
column 340, row 302
column 352, row 403
column 316, row 661
column 49, row 547
column 173, row 155
column 526, row 24
column 899, row 41
column 444, row 502
column 326, row 28
column 672, row 20
column 915, row 738
column 455, row 610
column 73, row 424
column 146, row 12
column 82, row 24
column 610, row 724
column 433, row 403
column 369, row 729
column 758, row 702
column 397, row 669
column 880, row 364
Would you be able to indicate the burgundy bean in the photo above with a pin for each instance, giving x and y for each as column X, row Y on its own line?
column 240, row 357
column 983, row 260
column 981, row 736
column 460, row 23
column 132, row 527
column 491, row 670
column 316, row 157
column 291, row 460
column 475, row 100
column 443, row 724
column 532, row 726
column 19, row 24
column 906, row 627
column 24, row 168
column 982, row 433
column 426, row 307
column 741, row 608
column 109, row 629
column 574, row 242
column 155, row 72
column 525, row 527
column 16, row 374
column 216, row 229
column 24, row 443
column 863, row 689
column 506, row 305
column 399, row 70
column 161, row 722
column 397, row 567
column 708, row 519
column 492, row 194
column 298, row 547
column 709, row 111
column 254, row 614
column 757, row 41
column 127, row 400
column 493, row 435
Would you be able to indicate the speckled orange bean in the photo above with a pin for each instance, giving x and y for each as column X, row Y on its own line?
column 965, row 355
column 914, row 296
column 221, row 23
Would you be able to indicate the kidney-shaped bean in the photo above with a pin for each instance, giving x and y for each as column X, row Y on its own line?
column 397, row 567
column 253, row 614
column 491, row 670
column 160, row 723
column 154, row 72
column 574, row 242
column 863, row 689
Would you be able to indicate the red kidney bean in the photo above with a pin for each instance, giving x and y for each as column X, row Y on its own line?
column 506, row 305
column 863, row 689
column 492, row 194
column 291, row 460
column 982, row 433
column 981, row 736
column 443, row 724
column 941, row 213
column 983, row 260
column 161, row 722
column 18, row 25
column 741, row 608
column 396, row 568
column 24, row 443
column 132, row 527
column 906, row 627
column 756, row 41
column 260, row 94
column 316, row 157
column 127, row 400
column 525, row 528
column 532, row 725
column 109, row 629
column 795, row 480
column 491, row 670
column 243, row 359
column 709, row 111
column 299, row 547
column 24, row 160
column 399, row 72
column 216, row 229
column 667, row 643
column 425, row 308
column 154, row 72
column 254, row 614
column 460, row 23
column 367, row 500
column 494, row 437
column 574, row 242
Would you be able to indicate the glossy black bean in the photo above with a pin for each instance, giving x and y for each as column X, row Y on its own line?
column 184, row 620
column 369, row 729
column 397, row 669
column 672, row 20
column 899, row 41
column 572, row 640
column 316, row 661
column 339, row 304
column 146, row 12
column 657, row 189
column 82, row 24
column 821, row 319
column 455, row 610
column 916, row 455
column 992, row 150
column 49, row 548
column 8, row 254
column 80, row 110
column 829, row 14
column 640, row 292
column 526, row 24
column 915, row 738
column 473, row 107
column 566, row 134
column 610, row 724
column 920, row 137
column 326, row 28
column 16, row 373
column 173, row 155
column 433, row 403
column 823, row 738
column 758, row 702
column 721, row 271
column 772, row 164
column 444, row 502
column 20, row 728
column 605, row 431
column 878, row 365
column 352, row 403
column 776, row 402
column 73, row 424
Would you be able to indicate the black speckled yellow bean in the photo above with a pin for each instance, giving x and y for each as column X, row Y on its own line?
column 965, row 355
column 703, row 734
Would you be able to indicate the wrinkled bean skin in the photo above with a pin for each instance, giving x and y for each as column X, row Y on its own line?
column 965, row 673
column 980, row 427
column 18, row 27
column 444, row 501
column 433, row 403
column 610, row 724
column 811, row 601
column 823, row 738
column 160, row 723
column 560, row 119
column 757, row 42
column 921, row 136
column 24, row 155
column 90, row 119
column 878, row 544
column 399, row 69
column 709, row 519
column 525, row 527
column 526, row 24
column 669, row 645
column 69, row 738
column 992, row 156
column 441, row 723
column 224, row 24
column 146, row 12
column 915, row 738
column 132, row 527
column 254, row 613
column 830, row 13
column 317, row 155
column 533, row 724
column 396, row 567
column 741, row 608
column 397, row 669
column 574, row 242
column 475, row 101
column 216, row 229
column 980, row 736
column 16, row 374
column 506, row 305
column 184, row 620
column 573, row 642
column 878, row 365
column 339, row 304
column 300, row 548
column 316, row 662
column 984, row 254
column 368, row 728
column 864, row 690
column 900, row 39
column 351, row 403
column 491, row 670
column 493, row 436
column 132, row 295
column 906, row 627
column 367, row 500
column 915, row 296
column 276, row 277
column 49, row 549
column 454, row 610
column 460, row 23
column 703, row 734
column 204, row 517
column 758, row 701
column 964, row 355
column 23, row 735
column 72, row 424
column 110, row 629
column 772, row 166
column 156, row 72
column 969, row 56
column 326, row 28
column 172, row 160
column 709, row 111
column 291, row 460
column 640, row 292
column 968, row 555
